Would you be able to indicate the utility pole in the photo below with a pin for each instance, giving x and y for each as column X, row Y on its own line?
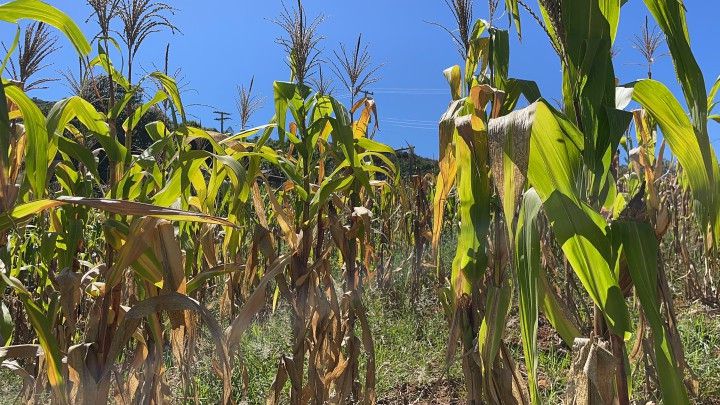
column 222, row 117
column 368, row 94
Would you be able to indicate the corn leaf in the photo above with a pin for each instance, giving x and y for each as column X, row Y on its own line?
column 500, row 61
column 6, row 325
column 75, row 107
column 40, row 11
column 670, row 16
column 142, row 209
column 527, row 265
column 172, row 302
column 36, row 159
column 555, row 311
column 641, row 250
column 448, row 169
column 79, row 152
column 134, row 119
column 454, row 79
column 27, row 210
column 168, row 84
column 511, row 7
column 43, row 328
column 473, row 188
column 554, row 164
column 104, row 61
column 199, row 280
column 691, row 147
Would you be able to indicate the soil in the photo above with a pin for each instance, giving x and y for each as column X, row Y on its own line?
column 437, row 392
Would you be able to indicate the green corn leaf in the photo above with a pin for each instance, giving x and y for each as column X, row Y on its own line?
column 104, row 61
column 120, row 105
column 157, row 130
column 40, row 11
column 691, row 147
column 711, row 96
column 389, row 165
column 80, row 153
column 500, row 61
column 189, row 134
column 23, row 212
column 10, row 51
column 670, row 16
column 579, row 230
column 342, row 134
column 74, row 107
column 589, row 28
column 473, row 188
column 527, row 265
column 514, row 88
column 555, row 311
column 374, row 146
column 497, row 307
column 555, row 146
column 641, row 250
column 511, row 8
column 134, row 119
column 27, row 210
column 168, row 84
column 36, row 159
column 68, row 109
column 43, row 329
column 290, row 96
column 246, row 133
column 6, row 325
column 478, row 52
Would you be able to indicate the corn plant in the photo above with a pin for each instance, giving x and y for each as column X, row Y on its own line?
column 563, row 162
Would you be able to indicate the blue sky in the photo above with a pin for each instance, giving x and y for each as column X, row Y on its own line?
column 225, row 43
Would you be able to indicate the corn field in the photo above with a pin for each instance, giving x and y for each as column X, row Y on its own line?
column 137, row 247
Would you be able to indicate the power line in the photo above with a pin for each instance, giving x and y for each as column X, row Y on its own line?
column 410, row 89
column 405, row 91
column 412, row 126
column 410, row 120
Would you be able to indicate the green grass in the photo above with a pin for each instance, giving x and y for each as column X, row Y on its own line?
column 553, row 366
column 10, row 386
column 700, row 333
column 410, row 343
column 410, row 347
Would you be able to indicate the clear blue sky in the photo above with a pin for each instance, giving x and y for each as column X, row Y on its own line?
column 225, row 43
